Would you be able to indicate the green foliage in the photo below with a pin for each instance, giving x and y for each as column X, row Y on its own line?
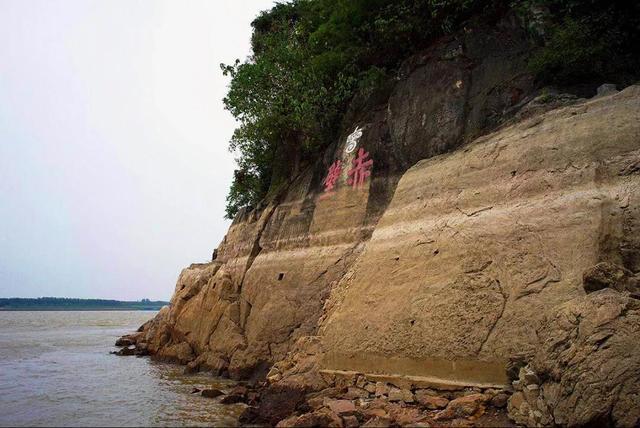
column 310, row 57
column 589, row 41
column 569, row 54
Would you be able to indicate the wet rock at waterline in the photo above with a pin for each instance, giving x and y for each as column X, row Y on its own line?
column 488, row 221
column 469, row 275
column 211, row 393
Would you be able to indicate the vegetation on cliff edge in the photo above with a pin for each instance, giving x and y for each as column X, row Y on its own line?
column 310, row 57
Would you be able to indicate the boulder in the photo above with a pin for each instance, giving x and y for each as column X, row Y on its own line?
column 395, row 394
column 528, row 376
column 238, row 394
column 375, row 412
column 316, row 402
column 499, row 400
column 429, row 401
column 354, row 392
column 233, row 399
column 381, row 389
column 463, row 407
column 341, row 407
column 211, row 393
column 289, row 422
column 405, row 415
column 370, row 387
column 239, row 390
column 129, row 350
column 130, row 339
column 124, row 341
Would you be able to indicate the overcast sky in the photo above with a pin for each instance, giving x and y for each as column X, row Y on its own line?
column 113, row 142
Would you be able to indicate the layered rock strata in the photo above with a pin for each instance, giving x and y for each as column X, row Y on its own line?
column 479, row 245
column 274, row 270
column 449, row 259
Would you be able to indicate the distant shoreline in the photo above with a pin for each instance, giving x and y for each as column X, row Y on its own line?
column 70, row 304
column 59, row 309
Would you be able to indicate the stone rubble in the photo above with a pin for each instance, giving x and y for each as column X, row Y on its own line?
column 385, row 404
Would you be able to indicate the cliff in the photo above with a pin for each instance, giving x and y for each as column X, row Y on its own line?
column 464, row 231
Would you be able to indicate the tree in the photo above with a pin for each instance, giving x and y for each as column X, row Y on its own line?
column 310, row 57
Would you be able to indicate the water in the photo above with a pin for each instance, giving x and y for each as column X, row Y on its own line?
column 55, row 370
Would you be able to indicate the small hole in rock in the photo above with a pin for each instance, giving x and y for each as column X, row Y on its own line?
column 280, row 276
column 413, row 322
column 436, row 251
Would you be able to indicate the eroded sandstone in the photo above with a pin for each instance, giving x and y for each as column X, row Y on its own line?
column 459, row 262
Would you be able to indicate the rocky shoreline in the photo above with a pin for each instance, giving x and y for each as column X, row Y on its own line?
column 378, row 405
column 352, row 401
column 479, row 283
column 534, row 396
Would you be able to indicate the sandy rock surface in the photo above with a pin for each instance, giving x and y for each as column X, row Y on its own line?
column 494, row 245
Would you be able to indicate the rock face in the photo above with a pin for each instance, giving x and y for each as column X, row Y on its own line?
column 477, row 246
column 272, row 274
column 443, row 258
column 587, row 368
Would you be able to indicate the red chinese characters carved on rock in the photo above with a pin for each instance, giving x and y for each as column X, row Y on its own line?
column 361, row 169
column 332, row 177
column 356, row 175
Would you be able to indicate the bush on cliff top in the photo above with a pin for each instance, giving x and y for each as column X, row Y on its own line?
column 310, row 57
column 588, row 41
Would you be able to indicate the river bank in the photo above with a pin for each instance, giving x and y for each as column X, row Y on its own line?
column 351, row 399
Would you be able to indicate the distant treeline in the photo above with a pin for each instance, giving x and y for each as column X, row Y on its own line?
column 68, row 304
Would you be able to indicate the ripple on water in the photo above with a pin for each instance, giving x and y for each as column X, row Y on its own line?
column 55, row 369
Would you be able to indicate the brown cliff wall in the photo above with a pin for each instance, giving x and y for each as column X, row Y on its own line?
column 478, row 246
column 276, row 266
column 445, row 263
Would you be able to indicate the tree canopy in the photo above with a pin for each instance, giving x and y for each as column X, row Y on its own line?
column 310, row 57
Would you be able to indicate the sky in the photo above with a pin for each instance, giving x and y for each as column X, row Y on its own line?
column 114, row 165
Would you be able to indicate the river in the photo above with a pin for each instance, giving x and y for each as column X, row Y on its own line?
column 56, row 370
